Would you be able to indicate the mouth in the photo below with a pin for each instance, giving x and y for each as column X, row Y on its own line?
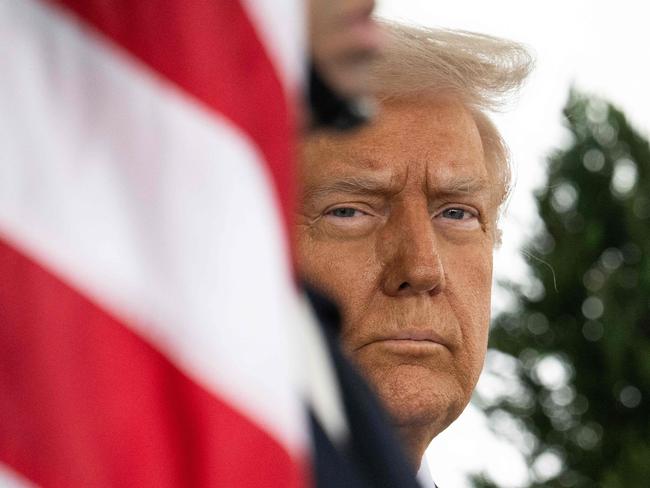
column 416, row 335
column 409, row 341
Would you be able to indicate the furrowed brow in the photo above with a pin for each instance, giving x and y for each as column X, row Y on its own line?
column 350, row 184
column 462, row 186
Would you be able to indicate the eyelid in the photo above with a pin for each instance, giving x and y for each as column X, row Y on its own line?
column 356, row 213
column 356, row 225
column 473, row 211
column 355, row 206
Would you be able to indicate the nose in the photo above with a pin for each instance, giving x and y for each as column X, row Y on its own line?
column 412, row 264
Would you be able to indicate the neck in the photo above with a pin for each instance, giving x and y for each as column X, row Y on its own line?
column 415, row 441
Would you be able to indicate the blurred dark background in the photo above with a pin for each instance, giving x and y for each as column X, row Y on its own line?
column 579, row 337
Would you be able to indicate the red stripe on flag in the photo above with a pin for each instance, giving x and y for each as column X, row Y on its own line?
column 86, row 402
column 211, row 50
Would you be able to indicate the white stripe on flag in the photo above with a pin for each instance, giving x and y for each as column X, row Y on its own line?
column 282, row 26
column 133, row 193
column 11, row 479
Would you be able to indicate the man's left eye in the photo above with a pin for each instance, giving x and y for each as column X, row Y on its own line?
column 456, row 213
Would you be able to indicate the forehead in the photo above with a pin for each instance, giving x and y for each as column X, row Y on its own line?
column 438, row 137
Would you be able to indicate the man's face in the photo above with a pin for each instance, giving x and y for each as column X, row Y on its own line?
column 397, row 224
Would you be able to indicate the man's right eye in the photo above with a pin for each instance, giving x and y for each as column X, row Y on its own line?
column 344, row 212
column 348, row 221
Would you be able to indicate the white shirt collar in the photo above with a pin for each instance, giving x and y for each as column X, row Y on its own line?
column 424, row 475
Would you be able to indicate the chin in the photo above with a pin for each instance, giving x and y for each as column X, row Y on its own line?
column 416, row 397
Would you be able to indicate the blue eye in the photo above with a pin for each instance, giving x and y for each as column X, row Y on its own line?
column 343, row 212
column 454, row 213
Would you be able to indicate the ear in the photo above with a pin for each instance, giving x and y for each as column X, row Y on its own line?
column 498, row 234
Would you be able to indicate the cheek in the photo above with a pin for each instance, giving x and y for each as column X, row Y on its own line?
column 313, row 263
column 469, row 278
column 480, row 286
column 343, row 271
column 469, row 288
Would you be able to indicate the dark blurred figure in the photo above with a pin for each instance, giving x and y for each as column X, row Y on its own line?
column 344, row 40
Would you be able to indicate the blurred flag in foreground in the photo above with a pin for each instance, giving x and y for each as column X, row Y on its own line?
column 146, row 294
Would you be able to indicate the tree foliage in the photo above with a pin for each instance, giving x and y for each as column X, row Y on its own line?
column 581, row 333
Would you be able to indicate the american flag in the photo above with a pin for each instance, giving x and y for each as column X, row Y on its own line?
column 146, row 293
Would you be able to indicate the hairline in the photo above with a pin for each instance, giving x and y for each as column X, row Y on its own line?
column 481, row 72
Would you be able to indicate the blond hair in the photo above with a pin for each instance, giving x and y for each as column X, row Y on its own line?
column 481, row 71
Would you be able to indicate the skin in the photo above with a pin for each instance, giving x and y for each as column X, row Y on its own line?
column 397, row 223
column 344, row 39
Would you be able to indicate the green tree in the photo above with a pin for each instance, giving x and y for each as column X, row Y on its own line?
column 581, row 332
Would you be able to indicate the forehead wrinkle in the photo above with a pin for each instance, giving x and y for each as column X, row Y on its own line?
column 356, row 149
column 353, row 184
column 457, row 184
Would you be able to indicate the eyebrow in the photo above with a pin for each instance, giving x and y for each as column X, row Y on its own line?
column 368, row 185
column 462, row 185
column 360, row 185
